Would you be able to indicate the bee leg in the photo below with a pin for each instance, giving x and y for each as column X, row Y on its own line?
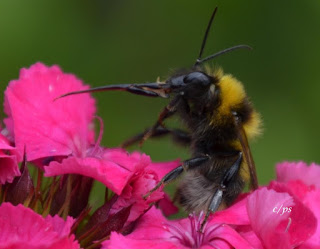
column 186, row 165
column 181, row 137
column 167, row 112
column 178, row 136
column 217, row 197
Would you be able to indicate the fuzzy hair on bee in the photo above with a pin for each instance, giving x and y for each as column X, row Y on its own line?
column 219, row 118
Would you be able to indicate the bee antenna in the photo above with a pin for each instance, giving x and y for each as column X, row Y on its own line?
column 206, row 36
column 227, row 50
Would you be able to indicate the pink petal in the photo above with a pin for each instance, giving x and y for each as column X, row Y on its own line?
column 249, row 235
column 146, row 176
column 107, row 172
column 133, row 162
column 47, row 127
column 264, row 220
column 312, row 201
column 295, row 188
column 287, row 171
column 8, row 168
column 22, row 228
column 270, row 222
column 8, row 162
column 118, row 241
column 236, row 214
column 226, row 237
column 139, row 185
column 184, row 233
column 59, row 225
column 167, row 206
column 5, row 144
column 151, row 226
column 162, row 168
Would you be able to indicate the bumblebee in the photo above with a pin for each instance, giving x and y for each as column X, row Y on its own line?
column 220, row 119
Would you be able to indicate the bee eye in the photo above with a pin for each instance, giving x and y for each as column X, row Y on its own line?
column 197, row 78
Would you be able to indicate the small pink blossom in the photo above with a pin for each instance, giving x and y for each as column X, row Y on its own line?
column 22, row 228
column 155, row 231
column 47, row 127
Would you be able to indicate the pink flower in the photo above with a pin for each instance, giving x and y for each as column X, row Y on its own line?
column 8, row 161
column 303, row 182
column 279, row 219
column 63, row 127
column 22, row 228
column 281, row 215
column 145, row 176
column 155, row 231
column 128, row 175
column 58, row 136
column 46, row 127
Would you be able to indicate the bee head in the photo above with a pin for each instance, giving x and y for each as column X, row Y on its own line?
column 193, row 85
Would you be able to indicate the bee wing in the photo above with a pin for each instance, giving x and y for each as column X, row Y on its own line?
column 247, row 154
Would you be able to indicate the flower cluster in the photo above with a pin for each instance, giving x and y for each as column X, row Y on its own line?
column 50, row 158
column 57, row 137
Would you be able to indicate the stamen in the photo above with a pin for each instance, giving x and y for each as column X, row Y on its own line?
column 95, row 150
column 289, row 224
column 191, row 236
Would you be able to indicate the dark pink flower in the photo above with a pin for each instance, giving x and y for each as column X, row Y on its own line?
column 145, row 177
column 303, row 183
column 8, row 161
column 155, row 231
column 279, row 219
column 47, row 127
column 22, row 228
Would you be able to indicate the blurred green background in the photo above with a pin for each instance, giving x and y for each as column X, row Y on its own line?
column 108, row 42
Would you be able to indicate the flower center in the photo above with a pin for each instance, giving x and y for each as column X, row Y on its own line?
column 190, row 235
